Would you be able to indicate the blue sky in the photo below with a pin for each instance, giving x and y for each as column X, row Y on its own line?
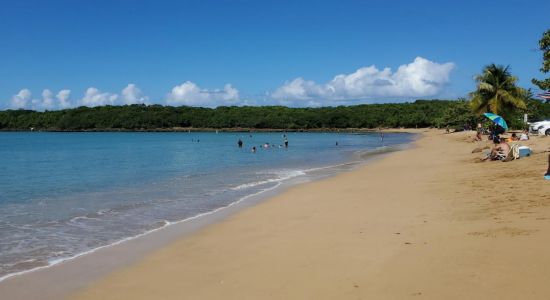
column 56, row 54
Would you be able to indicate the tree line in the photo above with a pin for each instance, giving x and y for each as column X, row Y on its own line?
column 421, row 113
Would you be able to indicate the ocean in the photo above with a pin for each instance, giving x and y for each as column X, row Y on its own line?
column 65, row 194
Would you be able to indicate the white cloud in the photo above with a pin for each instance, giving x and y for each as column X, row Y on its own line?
column 421, row 78
column 188, row 93
column 21, row 99
column 94, row 97
column 131, row 94
column 64, row 97
column 47, row 101
column 24, row 99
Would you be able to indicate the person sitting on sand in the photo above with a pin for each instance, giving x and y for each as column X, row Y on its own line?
column 513, row 138
column 500, row 151
column 478, row 138
column 524, row 136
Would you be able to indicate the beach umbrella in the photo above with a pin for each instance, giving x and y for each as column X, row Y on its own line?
column 497, row 120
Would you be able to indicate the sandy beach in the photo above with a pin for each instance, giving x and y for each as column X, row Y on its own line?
column 430, row 222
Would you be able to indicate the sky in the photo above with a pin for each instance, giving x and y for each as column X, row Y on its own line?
column 59, row 54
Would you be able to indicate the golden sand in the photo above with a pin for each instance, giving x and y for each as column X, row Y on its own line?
column 429, row 222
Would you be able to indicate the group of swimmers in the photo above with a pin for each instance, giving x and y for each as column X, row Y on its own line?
column 266, row 145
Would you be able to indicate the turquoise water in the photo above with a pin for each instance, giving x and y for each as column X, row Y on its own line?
column 62, row 194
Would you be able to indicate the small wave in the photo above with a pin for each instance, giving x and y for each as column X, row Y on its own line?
column 21, row 262
column 282, row 177
column 162, row 224
column 76, row 219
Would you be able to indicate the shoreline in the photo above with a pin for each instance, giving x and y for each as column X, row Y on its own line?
column 188, row 226
column 420, row 222
column 230, row 130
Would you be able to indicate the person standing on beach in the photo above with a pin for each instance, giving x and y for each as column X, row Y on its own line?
column 547, row 175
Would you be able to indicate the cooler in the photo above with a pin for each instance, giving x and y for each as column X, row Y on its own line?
column 524, row 151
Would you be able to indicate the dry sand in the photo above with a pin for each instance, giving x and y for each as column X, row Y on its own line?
column 430, row 222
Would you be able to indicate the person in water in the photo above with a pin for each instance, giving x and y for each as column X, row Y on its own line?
column 286, row 141
column 240, row 143
column 254, row 149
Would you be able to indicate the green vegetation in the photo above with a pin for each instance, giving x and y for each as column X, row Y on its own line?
column 421, row 113
column 544, row 45
column 497, row 92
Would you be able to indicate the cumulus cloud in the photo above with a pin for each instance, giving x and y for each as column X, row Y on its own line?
column 21, row 99
column 94, row 97
column 64, row 98
column 24, row 99
column 421, row 78
column 47, row 101
column 188, row 93
column 131, row 94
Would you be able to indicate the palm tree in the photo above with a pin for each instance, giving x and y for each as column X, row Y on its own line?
column 497, row 91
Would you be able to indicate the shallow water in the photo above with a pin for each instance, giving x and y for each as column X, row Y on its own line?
column 62, row 194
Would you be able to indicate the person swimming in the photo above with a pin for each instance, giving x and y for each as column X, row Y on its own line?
column 240, row 143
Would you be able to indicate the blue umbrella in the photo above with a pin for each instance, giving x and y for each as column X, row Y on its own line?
column 497, row 120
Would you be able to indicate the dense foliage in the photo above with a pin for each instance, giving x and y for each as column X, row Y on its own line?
column 497, row 92
column 421, row 113
column 544, row 46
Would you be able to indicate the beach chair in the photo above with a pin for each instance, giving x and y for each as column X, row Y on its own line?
column 511, row 155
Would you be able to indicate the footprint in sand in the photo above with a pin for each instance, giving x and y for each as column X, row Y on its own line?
column 498, row 232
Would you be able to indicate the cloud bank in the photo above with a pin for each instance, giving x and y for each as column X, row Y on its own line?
column 131, row 94
column 48, row 101
column 421, row 78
